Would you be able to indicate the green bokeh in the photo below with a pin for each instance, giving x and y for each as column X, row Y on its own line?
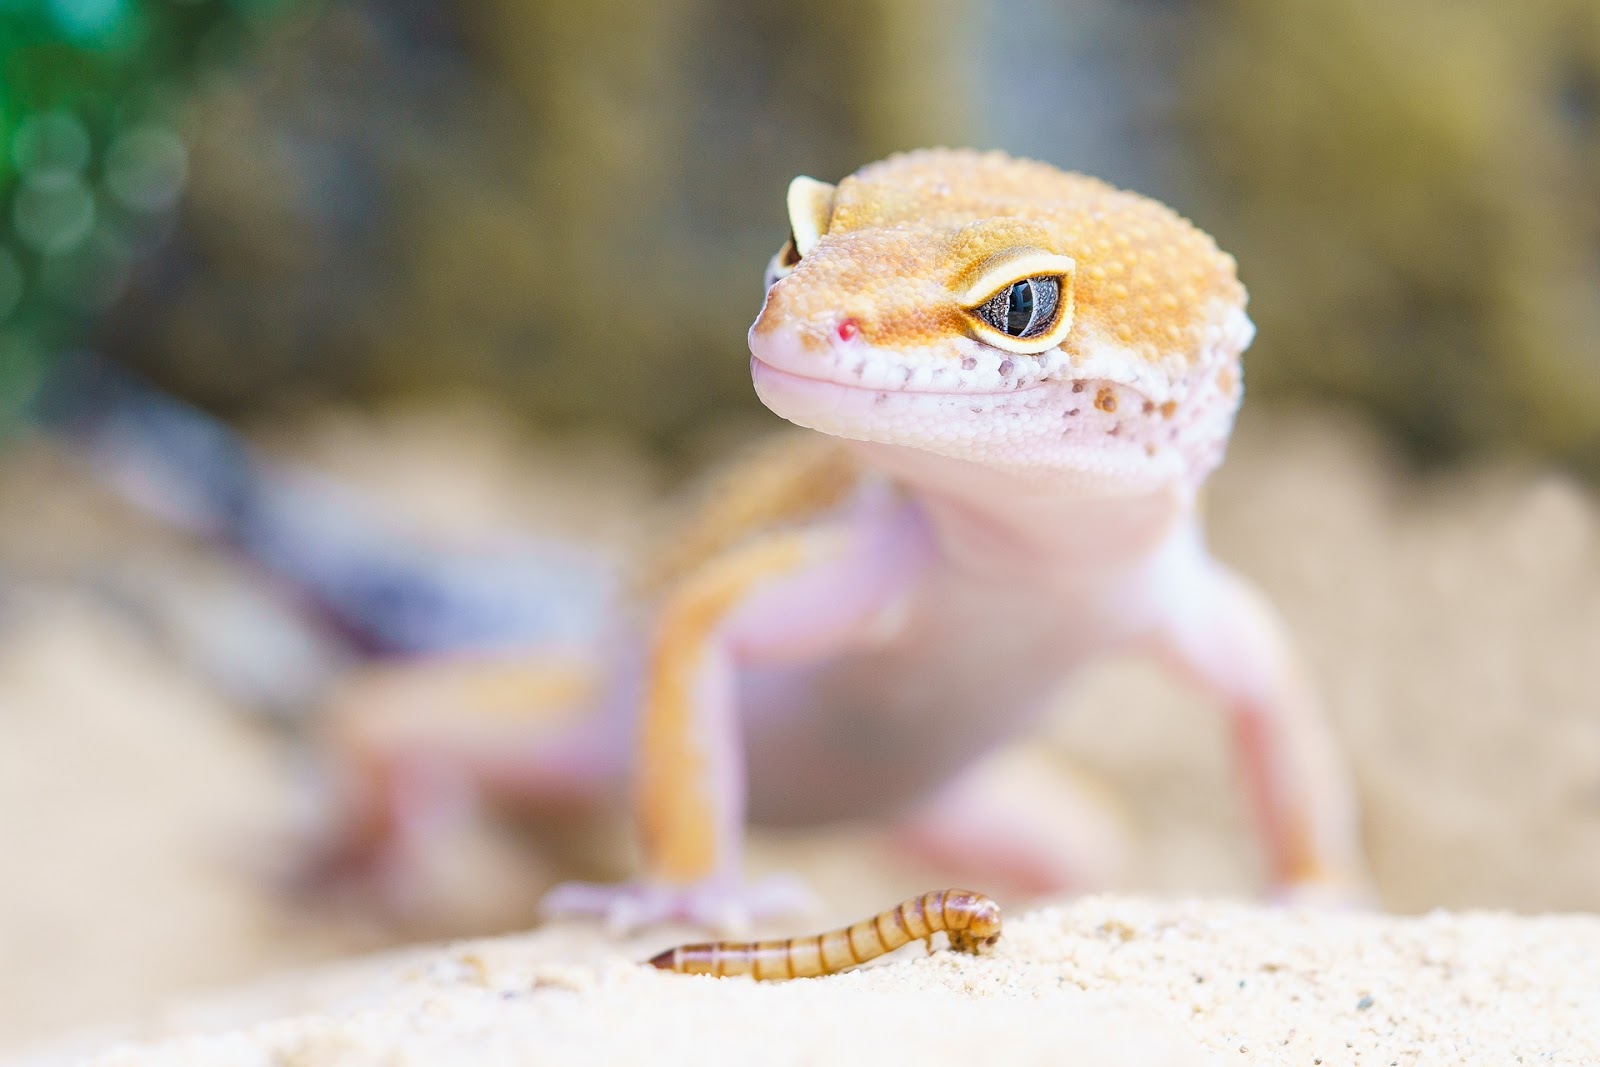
column 91, row 98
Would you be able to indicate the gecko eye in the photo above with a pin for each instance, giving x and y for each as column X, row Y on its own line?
column 782, row 264
column 1020, row 300
column 810, row 205
column 788, row 255
column 1023, row 309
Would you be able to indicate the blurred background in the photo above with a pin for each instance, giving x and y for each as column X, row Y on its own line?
column 486, row 268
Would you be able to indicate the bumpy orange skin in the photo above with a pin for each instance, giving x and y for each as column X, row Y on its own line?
column 872, row 329
column 907, row 232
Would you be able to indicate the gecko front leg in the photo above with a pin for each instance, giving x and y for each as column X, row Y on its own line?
column 1221, row 633
column 796, row 597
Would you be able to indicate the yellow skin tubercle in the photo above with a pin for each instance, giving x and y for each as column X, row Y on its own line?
column 914, row 240
column 883, row 288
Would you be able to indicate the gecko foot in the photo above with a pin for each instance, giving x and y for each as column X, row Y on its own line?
column 726, row 907
column 1352, row 893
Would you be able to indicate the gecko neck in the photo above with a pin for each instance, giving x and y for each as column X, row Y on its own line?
column 991, row 521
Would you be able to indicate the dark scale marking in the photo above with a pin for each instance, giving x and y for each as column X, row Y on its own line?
column 1006, row 367
column 969, row 362
column 1077, row 387
column 1072, row 412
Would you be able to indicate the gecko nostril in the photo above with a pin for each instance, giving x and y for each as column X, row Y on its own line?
column 849, row 329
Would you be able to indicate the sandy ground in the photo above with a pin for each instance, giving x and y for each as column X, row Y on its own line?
column 1108, row 980
column 1450, row 621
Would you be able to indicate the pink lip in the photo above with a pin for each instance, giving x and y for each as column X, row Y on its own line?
column 805, row 400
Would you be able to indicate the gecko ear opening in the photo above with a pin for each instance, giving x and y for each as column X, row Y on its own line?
column 810, row 210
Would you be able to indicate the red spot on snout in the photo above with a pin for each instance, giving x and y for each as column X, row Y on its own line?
column 848, row 329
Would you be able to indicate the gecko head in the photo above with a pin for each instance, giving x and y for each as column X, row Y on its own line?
column 984, row 309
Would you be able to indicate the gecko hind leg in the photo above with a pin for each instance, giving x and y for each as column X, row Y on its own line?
column 413, row 747
column 1022, row 822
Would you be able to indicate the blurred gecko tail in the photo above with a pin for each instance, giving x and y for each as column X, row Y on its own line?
column 388, row 589
column 164, row 456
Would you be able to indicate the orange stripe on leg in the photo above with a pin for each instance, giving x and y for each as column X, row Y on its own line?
column 677, row 802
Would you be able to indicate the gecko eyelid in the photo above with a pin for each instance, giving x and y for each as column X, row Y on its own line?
column 1020, row 300
column 982, row 281
column 783, row 263
column 789, row 254
column 810, row 206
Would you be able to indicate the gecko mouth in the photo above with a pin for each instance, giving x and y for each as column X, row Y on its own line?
column 781, row 389
column 863, row 392
column 1096, row 433
column 958, row 368
column 761, row 369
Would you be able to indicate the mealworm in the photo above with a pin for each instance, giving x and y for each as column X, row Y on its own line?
column 971, row 921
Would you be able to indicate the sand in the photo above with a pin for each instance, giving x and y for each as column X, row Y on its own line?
column 1450, row 620
column 1105, row 980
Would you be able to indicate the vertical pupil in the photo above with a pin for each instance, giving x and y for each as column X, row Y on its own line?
column 1019, row 308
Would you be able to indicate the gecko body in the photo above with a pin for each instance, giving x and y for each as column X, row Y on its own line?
column 1023, row 377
